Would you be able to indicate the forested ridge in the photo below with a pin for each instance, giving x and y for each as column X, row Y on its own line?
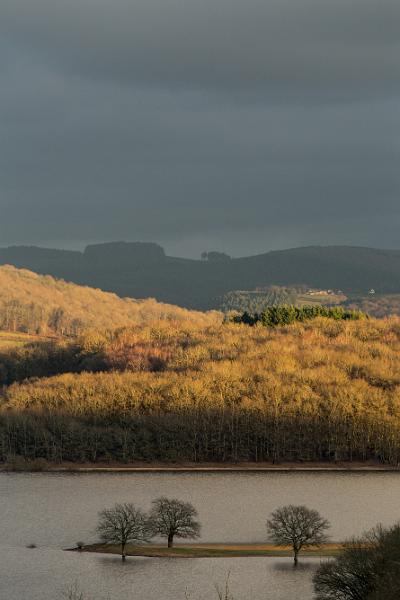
column 142, row 270
column 320, row 390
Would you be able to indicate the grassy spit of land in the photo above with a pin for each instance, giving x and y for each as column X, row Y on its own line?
column 211, row 550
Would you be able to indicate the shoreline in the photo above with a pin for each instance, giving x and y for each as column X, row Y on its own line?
column 211, row 550
column 159, row 467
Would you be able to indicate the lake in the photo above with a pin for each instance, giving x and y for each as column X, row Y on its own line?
column 54, row 511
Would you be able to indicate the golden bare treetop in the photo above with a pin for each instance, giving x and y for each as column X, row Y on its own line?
column 41, row 304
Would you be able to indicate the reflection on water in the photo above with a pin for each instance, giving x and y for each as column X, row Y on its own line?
column 53, row 511
column 45, row 574
column 306, row 565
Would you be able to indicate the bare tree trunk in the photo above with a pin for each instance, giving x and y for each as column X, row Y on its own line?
column 295, row 558
column 123, row 555
column 170, row 540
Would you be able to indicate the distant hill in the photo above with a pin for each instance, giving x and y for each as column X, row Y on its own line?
column 142, row 270
column 42, row 305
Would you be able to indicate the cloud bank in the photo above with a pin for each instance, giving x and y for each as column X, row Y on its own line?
column 240, row 126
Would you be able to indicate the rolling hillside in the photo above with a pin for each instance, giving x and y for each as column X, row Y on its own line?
column 183, row 385
column 40, row 304
column 142, row 270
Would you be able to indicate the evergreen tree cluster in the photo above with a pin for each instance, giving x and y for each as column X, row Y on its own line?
column 286, row 314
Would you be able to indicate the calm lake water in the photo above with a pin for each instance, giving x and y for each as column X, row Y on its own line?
column 54, row 511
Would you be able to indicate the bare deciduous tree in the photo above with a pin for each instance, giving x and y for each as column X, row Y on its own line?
column 369, row 567
column 171, row 517
column 297, row 526
column 122, row 524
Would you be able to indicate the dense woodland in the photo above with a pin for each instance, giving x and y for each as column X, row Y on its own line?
column 322, row 390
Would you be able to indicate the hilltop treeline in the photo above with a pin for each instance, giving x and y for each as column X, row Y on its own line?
column 40, row 304
column 320, row 390
column 272, row 316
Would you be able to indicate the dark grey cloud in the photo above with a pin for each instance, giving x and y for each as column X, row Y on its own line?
column 242, row 126
column 214, row 43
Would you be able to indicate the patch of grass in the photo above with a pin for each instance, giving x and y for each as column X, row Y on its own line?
column 324, row 299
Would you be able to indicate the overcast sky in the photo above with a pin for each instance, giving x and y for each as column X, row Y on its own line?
column 234, row 125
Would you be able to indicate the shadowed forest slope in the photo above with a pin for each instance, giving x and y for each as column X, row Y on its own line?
column 142, row 270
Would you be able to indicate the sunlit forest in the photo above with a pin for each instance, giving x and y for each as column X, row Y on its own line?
column 42, row 305
column 192, row 390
